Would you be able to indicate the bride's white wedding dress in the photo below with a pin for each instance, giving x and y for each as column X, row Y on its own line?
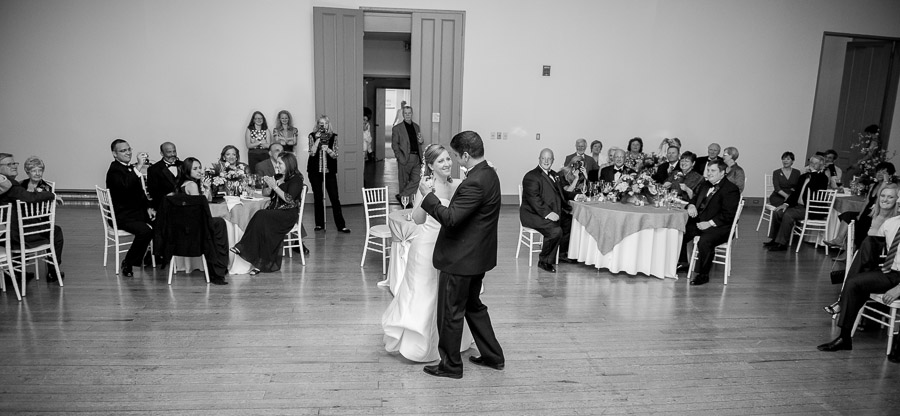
column 410, row 321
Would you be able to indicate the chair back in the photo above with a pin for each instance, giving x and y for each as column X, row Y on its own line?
column 5, row 214
column 768, row 188
column 183, row 224
column 520, row 194
column 375, row 201
column 106, row 210
column 820, row 203
column 302, row 205
column 35, row 219
column 734, row 224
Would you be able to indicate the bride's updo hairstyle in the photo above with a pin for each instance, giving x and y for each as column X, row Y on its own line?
column 431, row 153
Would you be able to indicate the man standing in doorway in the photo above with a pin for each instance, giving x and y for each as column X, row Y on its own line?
column 405, row 141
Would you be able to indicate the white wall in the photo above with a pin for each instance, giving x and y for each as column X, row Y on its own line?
column 76, row 74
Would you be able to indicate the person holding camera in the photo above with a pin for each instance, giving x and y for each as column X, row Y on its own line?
column 323, row 155
column 590, row 164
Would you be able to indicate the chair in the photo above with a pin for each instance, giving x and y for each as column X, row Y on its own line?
column 183, row 224
column 528, row 237
column 36, row 232
column 6, row 249
column 722, row 252
column 871, row 313
column 378, row 237
column 768, row 209
column 294, row 238
column 819, row 205
column 111, row 232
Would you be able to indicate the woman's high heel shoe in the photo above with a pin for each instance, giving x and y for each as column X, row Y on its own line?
column 253, row 272
column 833, row 309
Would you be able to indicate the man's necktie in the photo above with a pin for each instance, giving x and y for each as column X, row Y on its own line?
column 892, row 253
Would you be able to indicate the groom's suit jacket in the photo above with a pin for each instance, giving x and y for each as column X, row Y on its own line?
column 467, row 242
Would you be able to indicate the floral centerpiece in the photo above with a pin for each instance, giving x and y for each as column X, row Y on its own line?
column 633, row 187
column 226, row 177
column 869, row 147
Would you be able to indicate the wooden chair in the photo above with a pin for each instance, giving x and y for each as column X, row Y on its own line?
column 722, row 252
column 112, row 235
column 870, row 312
column 6, row 249
column 768, row 209
column 294, row 237
column 819, row 204
column 36, row 220
column 378, row 237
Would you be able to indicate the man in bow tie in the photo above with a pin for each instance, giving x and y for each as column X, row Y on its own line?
column 545, row 207
column 163, row 176
column 133, row 211
column 711, row 212
column 612, row 172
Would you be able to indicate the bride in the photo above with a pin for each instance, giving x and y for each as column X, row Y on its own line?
column 410, row 321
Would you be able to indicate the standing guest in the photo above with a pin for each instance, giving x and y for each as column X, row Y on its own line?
column 399, row 117
column 666, row 143
column 712, row 154
column 405, row 142
column 671, row 165
column 734, row 173
column 590, row 164
column 133, row 210
column 834, row 173
column 597, row 154
column 324, row 140
column 634, row 158
column 284, row 132
column 794, row 207
column 545, row 207
column 163, row 176
column 367, row 138
column 263, row 241
column 684, row 180
column 711, row 213
column 272, row 165
column 784, row 180
column 610, row 155
column 39, row 191
column 258, row 138
column 613, row 172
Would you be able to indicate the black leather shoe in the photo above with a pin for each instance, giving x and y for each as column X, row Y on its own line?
column 547, row 267
column 838, row 344
column 769, row 243
column 52, row 276
column 700, row 279
column 778, row 247
column 126, row 271
column 218, row 280
column 480, row 361
column 564, row 258
column 435, row 370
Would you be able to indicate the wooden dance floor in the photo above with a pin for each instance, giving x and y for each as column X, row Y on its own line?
column 307, row 340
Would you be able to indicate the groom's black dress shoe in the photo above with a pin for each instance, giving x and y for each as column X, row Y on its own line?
column 769, row 243
column 481, row 361
column 126, row 270
column 839, row 343
column 547, row 266
column 700, row 279
column 435, row 370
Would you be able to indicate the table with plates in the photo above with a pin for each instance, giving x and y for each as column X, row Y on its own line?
column 843, row 203
column 403, row 231
column 627, row 238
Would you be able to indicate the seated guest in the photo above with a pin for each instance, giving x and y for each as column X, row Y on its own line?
column 610, row 155
column 9, row 170
column 884, row 173
column 611, row 173
column 34, row 168
column 634, row 158
column 230, row 158
column 133, row 211
column 711, row 213
column 671, row 165
column 684, row 180
column 784, row 180
column 861, row 284
column 5, row 184
column 545, row 207
column 597, row 154
column 712, row 154
column 270, row 166
column 163, row 176
column 590, row 163
column 834, row 173
column 794, row 208
column 262, row 243
column 734, row 173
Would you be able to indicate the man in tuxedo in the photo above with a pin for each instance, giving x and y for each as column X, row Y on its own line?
column 590, row 165
column 835, row 175
column 163, row 176
column 133, row 211
column 712, row 155
column 545, row 207
column 466, row 248
column 673, row 154
column 794, row 207
column 405, row 141
column 612, row 172
column 270, row 166
column 861, row 282
column 711, row 212
column 9, row 170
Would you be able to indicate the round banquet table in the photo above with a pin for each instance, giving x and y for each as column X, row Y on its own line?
column 403, row 231
column 627, row 238
column 843, row 203
column 237, row 212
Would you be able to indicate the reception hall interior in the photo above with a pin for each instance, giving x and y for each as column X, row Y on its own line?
column 764, row 77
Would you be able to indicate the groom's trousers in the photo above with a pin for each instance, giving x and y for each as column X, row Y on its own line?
column 458, row 301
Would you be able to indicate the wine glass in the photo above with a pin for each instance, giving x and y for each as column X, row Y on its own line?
column 404, row 200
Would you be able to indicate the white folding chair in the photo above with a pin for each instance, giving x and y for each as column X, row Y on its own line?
column 722, row 252
column 112, row 235
column 378, row 237
column 6, row 249
column 819, row 205
column 36, row 223
column 870, row 312
column 768, row 209
column 294, row 238
column 529, row 237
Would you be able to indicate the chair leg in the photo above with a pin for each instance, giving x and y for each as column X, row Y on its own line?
column 116, row 265
column 153, row 256
column 205, row 267
column 519, row 245
column 761, row 215
column 172, row 268
column 384, row 253
column 727, row 264
column 893, row 322
column 105, row 249
column 302, row 254
column 365, row 249
column 800, row 240
column 55, row 264
column 858, row 317
column 693, row 259
column 24, row 288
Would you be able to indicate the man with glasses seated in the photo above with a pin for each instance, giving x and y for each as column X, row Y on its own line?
column 133, row 211
column 9, row 170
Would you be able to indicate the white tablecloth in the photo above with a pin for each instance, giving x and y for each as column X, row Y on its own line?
column 653, row 252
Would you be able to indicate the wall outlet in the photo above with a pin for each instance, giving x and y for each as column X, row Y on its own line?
column 537, row 136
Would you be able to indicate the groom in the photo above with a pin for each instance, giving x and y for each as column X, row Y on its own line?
column 466, row 248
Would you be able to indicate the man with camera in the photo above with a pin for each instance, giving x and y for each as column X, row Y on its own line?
column 590, row 165
column 545, row 207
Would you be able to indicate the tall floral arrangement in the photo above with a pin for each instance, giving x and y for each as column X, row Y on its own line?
column 869, row 147
column 231, row 176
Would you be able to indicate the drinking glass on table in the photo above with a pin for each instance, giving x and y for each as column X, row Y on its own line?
column 404, row 200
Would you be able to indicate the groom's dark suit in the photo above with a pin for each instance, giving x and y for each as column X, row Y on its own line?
column 466, row 248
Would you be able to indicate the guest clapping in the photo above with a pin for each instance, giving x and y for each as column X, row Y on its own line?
column 784, row 180
column 323, row 156
column 285, row 133
column 734, row 173
column 258, row 138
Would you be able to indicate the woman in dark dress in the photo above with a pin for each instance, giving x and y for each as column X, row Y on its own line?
column 263, row 240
